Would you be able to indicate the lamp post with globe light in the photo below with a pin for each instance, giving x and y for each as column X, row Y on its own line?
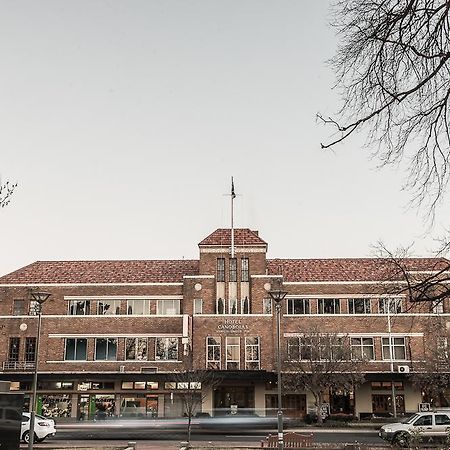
column 39, row 298
column 278, row 296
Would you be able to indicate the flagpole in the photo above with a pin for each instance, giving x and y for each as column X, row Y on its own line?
column 233, row 195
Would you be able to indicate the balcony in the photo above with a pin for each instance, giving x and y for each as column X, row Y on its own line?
column 18, row 365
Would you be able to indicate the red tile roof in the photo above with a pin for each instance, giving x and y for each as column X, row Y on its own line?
column 152, row 271
column 349, row 269
column 242, row 237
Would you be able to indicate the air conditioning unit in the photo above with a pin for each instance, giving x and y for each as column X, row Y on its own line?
column 403, row 369
column 121, row 369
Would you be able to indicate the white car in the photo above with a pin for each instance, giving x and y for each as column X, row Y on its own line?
column 43, row 427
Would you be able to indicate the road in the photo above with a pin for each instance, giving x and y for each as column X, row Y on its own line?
column 175, row 431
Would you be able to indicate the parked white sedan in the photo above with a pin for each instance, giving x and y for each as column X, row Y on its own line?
column 43, row 427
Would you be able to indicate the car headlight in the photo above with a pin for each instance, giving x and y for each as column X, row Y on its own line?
column 387, row 430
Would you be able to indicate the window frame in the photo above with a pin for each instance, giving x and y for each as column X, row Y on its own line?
column 220, row 270
column 167, row 348
column 250, row 349
column 145, row 307
column 216, row 362
column 75, row 347
column 386, row 348
column 385, row 303
column 229, row 347
column 75, row 303
column 352, row 307
column 245, row 270
column 291, row 306
column 176, row 303
column 335, row 305
column 196, row 310
column 362, row 348
column 137, row 340
column 116, row 307
column 232, row 270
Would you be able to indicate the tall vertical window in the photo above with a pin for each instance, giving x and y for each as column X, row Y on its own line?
column 76, row 349
column 245, row 306
column 220, row 269
column 233, row 269
column 233, row 353
column 232, row 306
column 362, row 348
column 167, row 307
column 106, row 349
column 245, row 274
column 108, row 307
column 14, row 346
column 252, row 354
column 293, row 348
column 136, row 349
column 391, row 305
column 398, row 348
column 34, row 308
column 19, row 307
column 267, row 306
column 167, row 349
column 359, row 306
column 30, row 349
column 298, row 306
column 198, row 306
column 138, row 307
column 329, row 306
column 213, row 356
column 79, row 307
column 220, row 306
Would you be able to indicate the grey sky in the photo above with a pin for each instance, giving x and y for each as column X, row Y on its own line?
column 123, row 121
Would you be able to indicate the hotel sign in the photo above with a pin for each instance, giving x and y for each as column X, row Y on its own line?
column 232, row 326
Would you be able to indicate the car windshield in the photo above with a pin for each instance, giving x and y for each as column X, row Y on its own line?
column 410, row 419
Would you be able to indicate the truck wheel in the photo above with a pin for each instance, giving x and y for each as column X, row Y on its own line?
column 401, row 439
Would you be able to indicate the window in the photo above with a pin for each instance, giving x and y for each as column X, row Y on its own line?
column 233, row 353
column 34, row 308
column 398, row 348
column 245, row 276
column 232, row 306
column 138, row 307
column 387, row 385
column 329, row 306
column 233, row 269
column 79, row 307
column 252, row 358
column 167, row 349
column 298, row 306
column 213, row 353
column 437, row 307
column 136, row 349
column 442, row 419
column 220, row 269
column 167, row 307
column 30, row 349
column 220, row 306
column 362, row 348
column 359, row 306
column 108, row 307
column 293, row 348
column 391, row 305
column 245, row 306
column 424, row 421
column 19, row 308
column 76, row 349
column 14, row 346
column 198, row 306
column 267, row 306
column 105, row 349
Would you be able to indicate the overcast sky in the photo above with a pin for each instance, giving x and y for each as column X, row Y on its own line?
column 123, row 122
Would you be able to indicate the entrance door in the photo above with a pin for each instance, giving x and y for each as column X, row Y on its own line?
column 152, row 406
column 232, row 399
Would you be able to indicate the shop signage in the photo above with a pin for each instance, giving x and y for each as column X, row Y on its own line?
column 232, row 325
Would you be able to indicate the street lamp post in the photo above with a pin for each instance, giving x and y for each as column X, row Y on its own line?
column 277, row 297
column 39, row 298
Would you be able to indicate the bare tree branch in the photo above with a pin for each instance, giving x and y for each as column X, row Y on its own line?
column 6, row 191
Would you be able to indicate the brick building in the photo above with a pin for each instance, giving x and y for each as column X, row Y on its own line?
column 115, row 333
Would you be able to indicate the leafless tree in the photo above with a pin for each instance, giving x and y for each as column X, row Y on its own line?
column 6, row 191
column 432, row 373
column 319, row 362
column 193, row 386
column 393, row 73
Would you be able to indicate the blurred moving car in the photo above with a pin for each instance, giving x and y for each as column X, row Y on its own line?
column 434, row 425
column 43, row 427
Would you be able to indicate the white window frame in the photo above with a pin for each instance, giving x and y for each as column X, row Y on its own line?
column 75, row 347
column 74, row 302
column 163, row 305
column 136, row 347
column 166, row 349
column 145, row 303
column 367, row 303
column 386, row 348
column 304, row 301
column 231, row 302
column 249, row 352
column 323, row 301
column 233, row 346
column 107, row 339
column 361, row 346
column 395, row 305
column 217, row 345
column 115, row 305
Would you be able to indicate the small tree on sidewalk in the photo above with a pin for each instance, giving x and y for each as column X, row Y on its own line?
column 319, row 363
column 193, row 387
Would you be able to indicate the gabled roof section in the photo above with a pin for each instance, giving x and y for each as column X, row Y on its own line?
column 350, row 269
column 243, row 237
column 82, row 272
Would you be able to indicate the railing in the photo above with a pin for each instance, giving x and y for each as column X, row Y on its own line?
column 19, row 365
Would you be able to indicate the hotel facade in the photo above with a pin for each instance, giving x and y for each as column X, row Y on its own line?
column 115, row 334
